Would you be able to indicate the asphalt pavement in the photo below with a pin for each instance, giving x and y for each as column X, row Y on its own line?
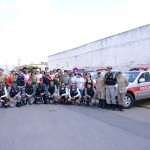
column 61, row 127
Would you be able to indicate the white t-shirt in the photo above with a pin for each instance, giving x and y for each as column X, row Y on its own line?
column 26, row 77
column 80, row 82
column 73, row 79
column 38, row 76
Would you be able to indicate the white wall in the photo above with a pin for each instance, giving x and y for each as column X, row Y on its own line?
column 121, row 51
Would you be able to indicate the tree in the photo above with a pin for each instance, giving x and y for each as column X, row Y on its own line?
column 33, row 67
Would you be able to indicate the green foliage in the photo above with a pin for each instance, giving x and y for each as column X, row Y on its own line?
column 31, row 67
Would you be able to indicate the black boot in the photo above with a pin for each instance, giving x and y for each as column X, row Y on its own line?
column 100, row 103
column 18, row 104
column 114, row 107
column 104, row 104
column 121, row 108
column 87, row 102
column 107, row 106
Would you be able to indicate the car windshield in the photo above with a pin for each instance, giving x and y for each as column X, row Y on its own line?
column 131, row 75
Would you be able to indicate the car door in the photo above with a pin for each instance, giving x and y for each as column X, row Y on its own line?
column 144, row 87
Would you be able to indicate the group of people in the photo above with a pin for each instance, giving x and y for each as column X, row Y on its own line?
column 24, row 88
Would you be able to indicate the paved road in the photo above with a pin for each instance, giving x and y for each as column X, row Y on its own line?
column 50, row 127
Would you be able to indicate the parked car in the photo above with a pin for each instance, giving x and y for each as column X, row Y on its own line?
column 138, row 88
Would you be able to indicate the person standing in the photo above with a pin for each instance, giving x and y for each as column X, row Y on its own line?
column 26, row 75
column 81, row 85
column 20, row 79
column 65, row 79
column 100, row 90
column 73, row 78
column 122, row 83
column 110, row 81
column 3, row 77
column 38, row 75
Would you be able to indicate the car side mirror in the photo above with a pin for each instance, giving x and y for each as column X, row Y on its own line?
column 142, row 80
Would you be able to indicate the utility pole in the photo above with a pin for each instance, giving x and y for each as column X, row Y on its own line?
column 19, row 60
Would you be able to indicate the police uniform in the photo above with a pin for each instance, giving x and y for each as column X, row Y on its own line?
column 14, row 95
column 20, row 80
column 100, row 90
column 23, row 95
column 40, row 88
column 52, row 90
column 110, row 81
column 30, row 92
column 122, row 83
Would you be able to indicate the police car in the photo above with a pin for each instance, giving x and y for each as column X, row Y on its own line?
column 138, row 88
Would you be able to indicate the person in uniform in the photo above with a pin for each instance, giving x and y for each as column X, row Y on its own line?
column 40, row 91
column 74, row 93
column 63, row 93
column 100, row 90
column 14, row 95
column 52, row 92
column 89, row 93
column 29, row 92
column 122, row 83
column 110, row 81
column 3, row 95
column 20, row 79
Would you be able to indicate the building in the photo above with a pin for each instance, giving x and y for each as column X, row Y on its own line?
column 122, row 51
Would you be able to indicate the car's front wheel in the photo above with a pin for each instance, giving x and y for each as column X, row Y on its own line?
column 129, row 100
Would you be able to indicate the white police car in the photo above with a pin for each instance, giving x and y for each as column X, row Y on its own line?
column 138, row 88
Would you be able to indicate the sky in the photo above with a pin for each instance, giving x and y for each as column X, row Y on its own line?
column 31, row 30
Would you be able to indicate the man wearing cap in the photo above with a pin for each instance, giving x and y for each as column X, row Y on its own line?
column 40, row 91
column 110, row 81
column 52, row 92
column 100, row 90
column 14, row 95
column 122, row 83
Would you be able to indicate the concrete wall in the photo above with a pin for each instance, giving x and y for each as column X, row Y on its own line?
column 121, row 51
